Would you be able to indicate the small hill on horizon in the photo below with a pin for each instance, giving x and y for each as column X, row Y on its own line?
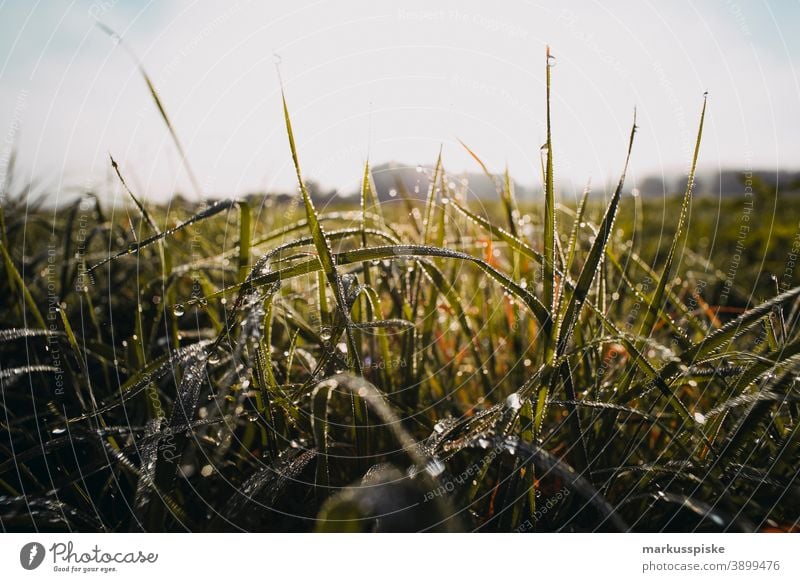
column 395, row 180
column 726, row 182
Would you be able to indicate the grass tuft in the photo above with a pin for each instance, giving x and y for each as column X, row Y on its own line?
column 396, row 367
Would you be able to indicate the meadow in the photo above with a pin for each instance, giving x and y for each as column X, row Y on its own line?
column 615, row 364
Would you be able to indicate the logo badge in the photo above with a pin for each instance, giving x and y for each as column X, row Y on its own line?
column 31, row 555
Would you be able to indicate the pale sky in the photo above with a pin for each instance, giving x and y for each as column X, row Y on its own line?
column 392, row 83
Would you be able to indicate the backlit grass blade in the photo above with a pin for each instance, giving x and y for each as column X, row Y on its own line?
column 657, row 298
column 320, row 397
column 347, row 217
column 245, row 237
column 136, row 383
column 430, row 202
column 13, row 275
column 329, row 268
column 399, row 251
column 510, row 203
column 515, row 243
column 204, row 214
column 506, row 192
column 383, row 342
column 318, row 235
column 366, row 192
column 641, row 297
column 654, row 378
column 321, row 242
column 157, row 100
column 576, row 227
column 549, row 217
column 593, row 260
column 139, row 204
column 483, row 167
column 673, row 299
column 454, row 301
column 719, row 338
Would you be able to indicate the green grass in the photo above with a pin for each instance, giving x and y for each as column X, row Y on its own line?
column 407, row 366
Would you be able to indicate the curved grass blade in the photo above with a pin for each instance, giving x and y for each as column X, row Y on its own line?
column 399, row 251
column 262, row 490
column 722, row 336
column 320, row 397
column 700, row 508
column 514, row 242
column 548, row 463
column 208, row 212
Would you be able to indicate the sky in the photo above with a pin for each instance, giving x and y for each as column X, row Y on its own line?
column 391, row 81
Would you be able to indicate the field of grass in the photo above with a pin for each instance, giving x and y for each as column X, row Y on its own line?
column 619, row 364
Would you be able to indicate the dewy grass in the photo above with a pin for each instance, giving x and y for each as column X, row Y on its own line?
column 394, row 367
